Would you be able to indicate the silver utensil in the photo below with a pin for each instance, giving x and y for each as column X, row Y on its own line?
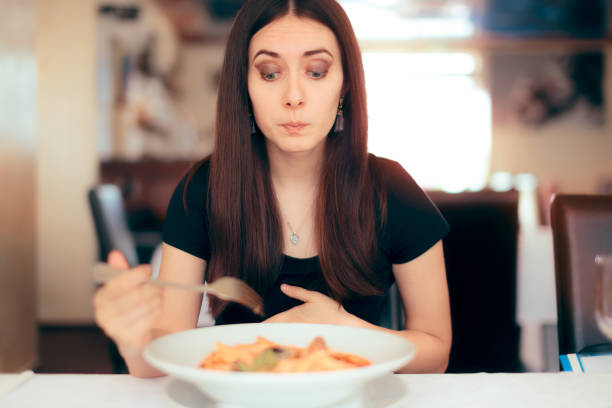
column 226, row 288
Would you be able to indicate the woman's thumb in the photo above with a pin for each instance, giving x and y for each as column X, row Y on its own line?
column 117, row 260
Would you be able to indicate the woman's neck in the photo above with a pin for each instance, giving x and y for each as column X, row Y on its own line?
column 295, row 177
column 299, row 170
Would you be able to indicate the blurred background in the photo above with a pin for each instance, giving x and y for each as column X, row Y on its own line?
column 470, row 96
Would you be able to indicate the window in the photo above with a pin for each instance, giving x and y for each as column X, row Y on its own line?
column 429, row 112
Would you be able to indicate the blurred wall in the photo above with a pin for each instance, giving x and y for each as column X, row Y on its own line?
column 569, row 152
column 17, row 168
column 66, row 160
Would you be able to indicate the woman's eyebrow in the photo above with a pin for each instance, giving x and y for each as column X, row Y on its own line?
column 306, row 54
column 317, row 51
column 266, row 52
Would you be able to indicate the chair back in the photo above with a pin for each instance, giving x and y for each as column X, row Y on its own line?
column 582, row 229
column 109, row 215
column 480, row 253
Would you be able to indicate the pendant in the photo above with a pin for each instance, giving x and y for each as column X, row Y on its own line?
column 294, row 238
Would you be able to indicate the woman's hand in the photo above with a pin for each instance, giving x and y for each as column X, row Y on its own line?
column 317, row 308
column 125, row 308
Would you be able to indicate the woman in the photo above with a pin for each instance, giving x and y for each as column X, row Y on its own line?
column 291, row 202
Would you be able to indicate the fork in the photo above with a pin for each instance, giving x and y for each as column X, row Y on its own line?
column 226, row 287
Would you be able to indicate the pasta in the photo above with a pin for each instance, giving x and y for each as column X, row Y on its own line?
column 267, row 356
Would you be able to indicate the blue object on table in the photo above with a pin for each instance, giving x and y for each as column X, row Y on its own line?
column 594, row 359
column 571, row 362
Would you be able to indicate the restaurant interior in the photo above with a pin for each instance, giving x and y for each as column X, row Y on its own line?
column 494, row 107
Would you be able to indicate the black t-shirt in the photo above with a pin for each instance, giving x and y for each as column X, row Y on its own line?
column 413, row 226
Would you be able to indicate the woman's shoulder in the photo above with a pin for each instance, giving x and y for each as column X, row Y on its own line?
column 392, row 175
column 199, row 171
column 413, row 223
column 185, row 222
column 404, row 196
column 380, row 161
column 194, row 184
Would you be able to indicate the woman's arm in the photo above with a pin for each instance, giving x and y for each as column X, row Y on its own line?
column 179, row 309
column 422, row 284
column 424, row 291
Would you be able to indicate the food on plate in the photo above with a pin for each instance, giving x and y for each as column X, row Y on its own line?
column 267, row 356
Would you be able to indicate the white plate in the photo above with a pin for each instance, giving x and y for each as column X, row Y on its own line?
column 179, row 355
column 382, row 392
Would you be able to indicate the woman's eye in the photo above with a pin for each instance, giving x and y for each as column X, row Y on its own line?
column 269, row 76
column 317, row 74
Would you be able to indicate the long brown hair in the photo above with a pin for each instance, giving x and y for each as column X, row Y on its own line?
column 244, row 226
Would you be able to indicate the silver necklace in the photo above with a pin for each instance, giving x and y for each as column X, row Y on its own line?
column 294, row 238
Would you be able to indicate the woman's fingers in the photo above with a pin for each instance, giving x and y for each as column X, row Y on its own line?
column 282, row 317
column 131, row 300
column 126, row 307
column 117, row 260
column 132, row 319
column 150, row 305
column 302, row 294
column 126, row 281
column 131, row 325
column 141, row 329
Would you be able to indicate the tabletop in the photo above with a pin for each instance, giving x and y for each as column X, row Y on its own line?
column 413, row 390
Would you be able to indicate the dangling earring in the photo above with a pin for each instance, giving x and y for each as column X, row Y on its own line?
column 339, row 118
column 252, row 124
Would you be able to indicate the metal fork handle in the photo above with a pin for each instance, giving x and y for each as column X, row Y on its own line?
column 102, row 273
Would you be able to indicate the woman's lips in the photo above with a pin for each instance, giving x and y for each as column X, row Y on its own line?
column 294, row 127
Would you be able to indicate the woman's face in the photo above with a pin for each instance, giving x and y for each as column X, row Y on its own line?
column 295, row 80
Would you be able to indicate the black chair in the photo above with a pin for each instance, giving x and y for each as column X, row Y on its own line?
column 393, row 315
column 111, row 224
column 109, row 215
column 480, row 252
column 582, row 229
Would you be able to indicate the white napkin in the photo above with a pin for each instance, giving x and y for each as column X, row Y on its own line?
column 9, row 382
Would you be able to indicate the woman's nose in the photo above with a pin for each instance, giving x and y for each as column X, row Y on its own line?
column 294, row 95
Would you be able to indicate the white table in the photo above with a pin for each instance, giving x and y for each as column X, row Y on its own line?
column 539, row 390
